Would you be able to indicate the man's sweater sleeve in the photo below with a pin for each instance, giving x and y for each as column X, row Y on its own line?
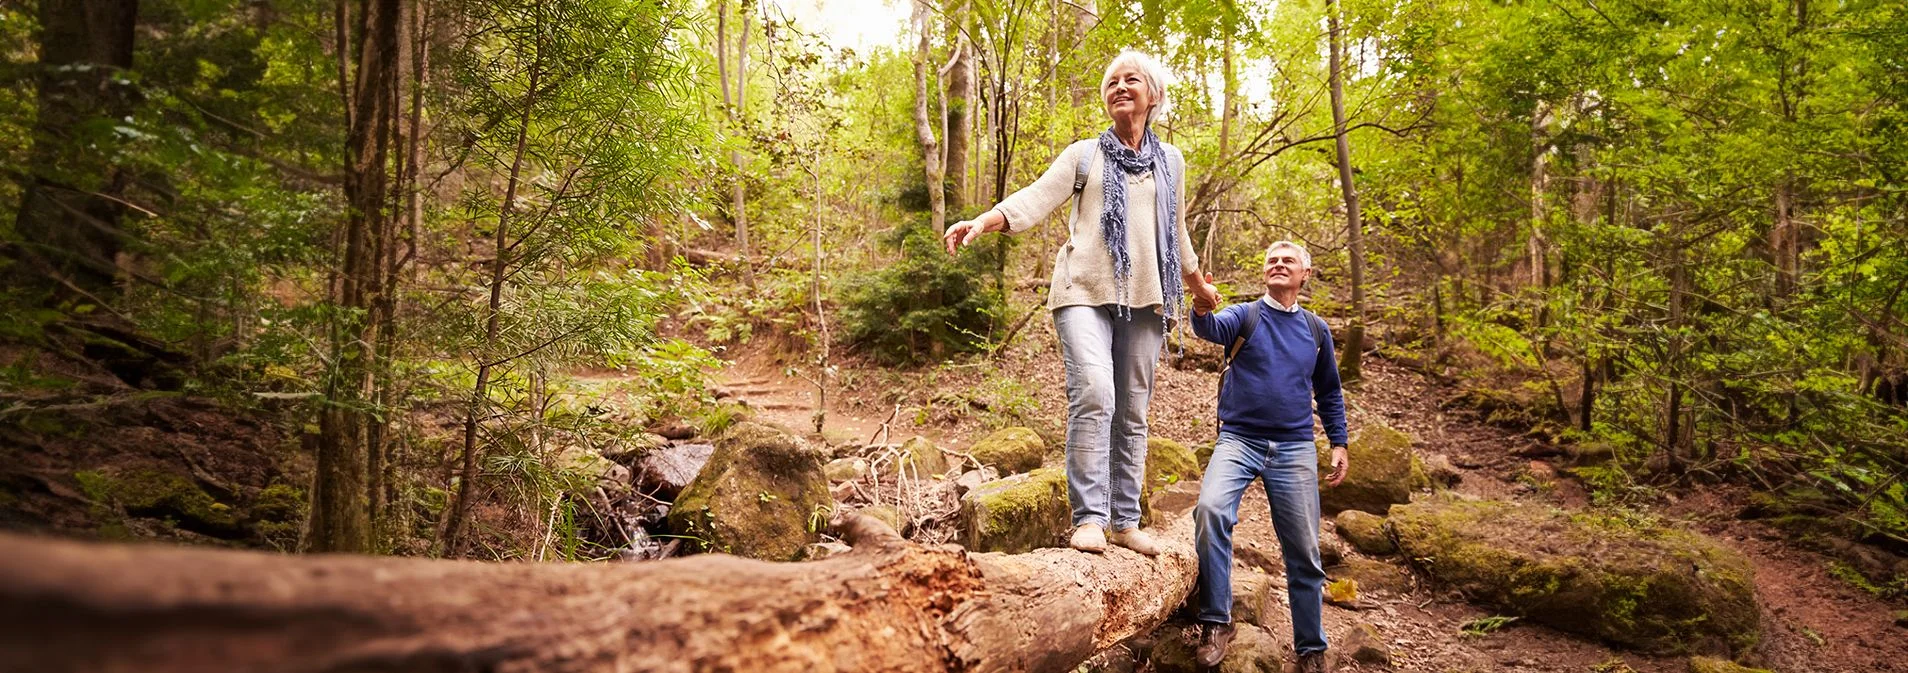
column 1326, row 388
column 1218, row 326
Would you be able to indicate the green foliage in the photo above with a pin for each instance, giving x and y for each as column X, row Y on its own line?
column 925, row 305
column 1484, row 626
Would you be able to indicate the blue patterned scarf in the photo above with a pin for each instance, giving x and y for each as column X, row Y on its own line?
column 1120, row 162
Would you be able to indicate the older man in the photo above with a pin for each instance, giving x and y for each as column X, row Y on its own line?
column 1280, row 363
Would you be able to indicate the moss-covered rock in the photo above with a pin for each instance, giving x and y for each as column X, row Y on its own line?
column 921, row 459
column 1366, row 532
column 1010, row 450
column 158, row 494
column 888, row 514
column 1365, row 645
column 1020, row 513
column 762, row 495
column 1383, row 472
column 1167, row 463
column 1373, row 575
column 846, row 469
column 1714, row 665
column 1634, row 583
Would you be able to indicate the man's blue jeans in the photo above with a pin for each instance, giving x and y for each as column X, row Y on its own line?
column 1110, row 361
column 1290, row 471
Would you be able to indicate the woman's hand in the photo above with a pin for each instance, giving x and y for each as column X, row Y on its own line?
column 1205, row 294
column 964, row 232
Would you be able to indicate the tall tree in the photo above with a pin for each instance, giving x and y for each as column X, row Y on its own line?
column 1349, row 363
column 735, row 107
column 933, row 163
column 958, row 91
column 68, row 229
column 340, row 517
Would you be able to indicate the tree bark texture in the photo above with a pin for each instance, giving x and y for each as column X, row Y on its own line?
column 1349, row 366
column 959, row 94
column 931, row 160
column 888, row 605
column 340, row 518
column 67, row 231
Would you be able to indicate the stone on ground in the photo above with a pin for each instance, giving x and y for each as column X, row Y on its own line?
column 1020, row 513
column 1365, row 645
column 888, row 514
column 1384, row 471
column 1366, row 532
column 664, row 471
column 845, row 469
column 1010, row 450
column 763, row 495
column 921, row 459
column 1167, row 463
column 1635, row 583
column 1251, row 596
column 1253, row 650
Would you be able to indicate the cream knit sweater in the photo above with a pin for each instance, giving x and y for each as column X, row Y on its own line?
column 1082, row 268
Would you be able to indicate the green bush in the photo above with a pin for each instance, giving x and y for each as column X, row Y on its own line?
column 925, row 305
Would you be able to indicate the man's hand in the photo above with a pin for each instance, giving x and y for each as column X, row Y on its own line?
column 1205, row 296
column 962, row 234
column 1341, row 463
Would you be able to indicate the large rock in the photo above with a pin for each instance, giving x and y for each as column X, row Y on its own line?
column 664, row 471
column 1167, row 463
column 1017, row 514
column 1365, row 645
column 1383, row 472
column 1633, row 583
column 1010, row 450
column 846, row 469
column 1251, row 596
column 762, row 495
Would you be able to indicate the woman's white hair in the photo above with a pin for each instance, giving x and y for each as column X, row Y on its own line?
column 1158, row 79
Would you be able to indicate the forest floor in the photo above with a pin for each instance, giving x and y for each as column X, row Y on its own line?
column 1814, row 622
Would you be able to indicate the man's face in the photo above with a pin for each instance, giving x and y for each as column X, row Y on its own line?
column 1284, row 270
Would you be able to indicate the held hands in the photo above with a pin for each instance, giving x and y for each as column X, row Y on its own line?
column 1205, row 296
column 1341, row 463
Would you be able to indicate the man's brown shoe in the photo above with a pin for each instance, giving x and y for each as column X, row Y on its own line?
column 1311, row 662
column 1213, row 641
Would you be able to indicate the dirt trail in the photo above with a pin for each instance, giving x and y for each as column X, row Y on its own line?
column 1813, row 622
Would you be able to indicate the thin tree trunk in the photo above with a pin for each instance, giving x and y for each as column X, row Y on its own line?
column 339, row 513
column 935, row 172
column 821, row 317
column 1349, row 364
column 738, row 117
column 1537, row 245
column 473, row 414
column 67, row 230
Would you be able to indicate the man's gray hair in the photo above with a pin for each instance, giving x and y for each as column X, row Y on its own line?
column 1157, row 80
column 1305, row 257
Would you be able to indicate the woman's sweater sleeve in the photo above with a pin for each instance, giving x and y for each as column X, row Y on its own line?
column 1029, row 206
column 1188, row 255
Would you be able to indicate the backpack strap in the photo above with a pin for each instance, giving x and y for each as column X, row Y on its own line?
column 1318, row 329
column 1080, row 168
column 1232, row 352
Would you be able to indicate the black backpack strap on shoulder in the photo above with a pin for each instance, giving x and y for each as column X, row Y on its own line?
column 1238, row 344
column 1318, row 329
column 1080, row 169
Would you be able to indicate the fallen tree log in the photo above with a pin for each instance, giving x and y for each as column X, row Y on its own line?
column 888, row 605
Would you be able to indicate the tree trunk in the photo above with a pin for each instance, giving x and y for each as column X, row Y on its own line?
column 888, row 605
column 1537, row 246
column 67, row 231
column 1349, row 365
column 339, row 515
column 734, row 107
column 931, row 160
column 959, row 94
column 474, row 412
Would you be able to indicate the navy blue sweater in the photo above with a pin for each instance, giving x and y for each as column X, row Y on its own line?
column 1276, row 376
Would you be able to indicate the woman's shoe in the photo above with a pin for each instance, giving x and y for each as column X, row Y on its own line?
column 1088, row 538
column 1136, row 540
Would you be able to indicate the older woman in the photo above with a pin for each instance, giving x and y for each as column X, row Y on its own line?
column 1118, row 280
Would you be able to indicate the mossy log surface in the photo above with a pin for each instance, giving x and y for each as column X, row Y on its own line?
column 888, row 605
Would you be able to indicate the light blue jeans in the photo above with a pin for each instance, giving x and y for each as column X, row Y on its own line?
column 1110, row 361
column 1290, row 472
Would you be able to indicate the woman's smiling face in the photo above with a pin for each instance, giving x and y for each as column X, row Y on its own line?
column 1127, row 94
